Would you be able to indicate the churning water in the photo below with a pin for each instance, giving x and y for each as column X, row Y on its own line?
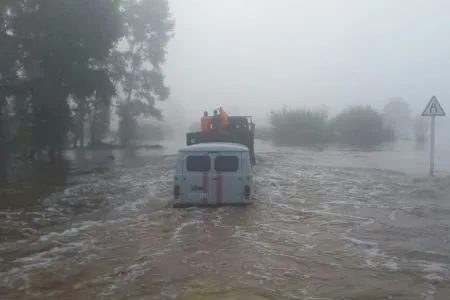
column 327, row 224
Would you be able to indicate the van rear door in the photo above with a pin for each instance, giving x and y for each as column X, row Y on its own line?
column 228, row 177
column 197, row 184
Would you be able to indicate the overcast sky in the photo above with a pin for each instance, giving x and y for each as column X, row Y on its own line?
column 255, row 55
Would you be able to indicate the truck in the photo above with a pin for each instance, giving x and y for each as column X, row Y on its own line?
column 240, row 130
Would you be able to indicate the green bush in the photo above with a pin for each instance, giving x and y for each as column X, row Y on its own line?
column 361, row 125
column 357, row 125
column 297, row 127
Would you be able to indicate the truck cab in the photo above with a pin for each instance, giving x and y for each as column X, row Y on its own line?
column 240, row 130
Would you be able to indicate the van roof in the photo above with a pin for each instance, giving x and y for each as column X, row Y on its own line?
column 202, row 147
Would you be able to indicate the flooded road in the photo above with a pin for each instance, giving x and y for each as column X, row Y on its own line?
column 327, row 224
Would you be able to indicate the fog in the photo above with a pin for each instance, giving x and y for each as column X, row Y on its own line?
column 255, row 55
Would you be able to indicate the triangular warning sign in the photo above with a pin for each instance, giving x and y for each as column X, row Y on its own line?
column 433, row 108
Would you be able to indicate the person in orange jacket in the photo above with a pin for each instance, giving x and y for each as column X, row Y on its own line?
column 205, row 122
column 223, row 118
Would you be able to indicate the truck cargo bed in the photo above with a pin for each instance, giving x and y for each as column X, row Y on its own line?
column 239, row 137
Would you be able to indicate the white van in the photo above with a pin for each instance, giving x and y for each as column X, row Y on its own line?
column 213, row 174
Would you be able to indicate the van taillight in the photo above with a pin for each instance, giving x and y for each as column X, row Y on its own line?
column 176, row 191
column 247, row 192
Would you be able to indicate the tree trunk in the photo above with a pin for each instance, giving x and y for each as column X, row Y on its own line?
column 3, row 122
column 94, row 123
column 81, row 119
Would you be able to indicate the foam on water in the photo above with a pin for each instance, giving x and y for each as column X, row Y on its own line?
column 316, row 230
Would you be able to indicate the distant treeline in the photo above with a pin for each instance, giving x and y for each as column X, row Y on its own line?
column 154, row 132
column 357, row 125
column 62, row 75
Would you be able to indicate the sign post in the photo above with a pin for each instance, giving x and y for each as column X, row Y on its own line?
column 433, row 110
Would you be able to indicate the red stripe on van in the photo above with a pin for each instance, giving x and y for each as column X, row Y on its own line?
column 205, row 187
column 219, row 188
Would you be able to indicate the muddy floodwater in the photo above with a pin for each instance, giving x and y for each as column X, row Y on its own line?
column 326, row 224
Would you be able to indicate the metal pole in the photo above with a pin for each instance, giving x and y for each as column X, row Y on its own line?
column 432, row 146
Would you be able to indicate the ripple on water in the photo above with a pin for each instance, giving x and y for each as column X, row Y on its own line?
column 315, row 231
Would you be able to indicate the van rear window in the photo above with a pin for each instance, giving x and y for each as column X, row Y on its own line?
column 226, row 163
column 198, row 163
